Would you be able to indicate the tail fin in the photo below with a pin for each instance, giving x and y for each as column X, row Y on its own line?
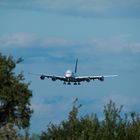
column 76, row 65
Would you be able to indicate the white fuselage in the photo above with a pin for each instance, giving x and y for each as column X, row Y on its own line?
column 69, row 74
column 70, row 77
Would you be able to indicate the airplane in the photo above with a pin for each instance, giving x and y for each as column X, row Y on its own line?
column 70, row 77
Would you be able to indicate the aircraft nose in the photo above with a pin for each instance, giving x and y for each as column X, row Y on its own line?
column 68, row 74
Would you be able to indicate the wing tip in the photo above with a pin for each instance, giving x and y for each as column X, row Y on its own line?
column 111, row 75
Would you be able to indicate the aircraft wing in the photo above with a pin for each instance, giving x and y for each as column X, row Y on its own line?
column 88, row 78
column 52, row 77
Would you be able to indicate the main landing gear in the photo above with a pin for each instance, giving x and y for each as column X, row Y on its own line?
column 77, row 83
column 69, row 83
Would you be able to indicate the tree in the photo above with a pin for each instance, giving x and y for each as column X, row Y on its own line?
column 15, row 95
column 67, row 130
column 114, row 126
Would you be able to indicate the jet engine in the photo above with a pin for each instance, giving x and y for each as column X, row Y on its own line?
column 53, row 79
column 101, row 78
column 42, row 77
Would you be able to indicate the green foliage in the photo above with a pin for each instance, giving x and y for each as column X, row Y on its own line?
column 14, row 95
column 8, row 132
column 114, row 126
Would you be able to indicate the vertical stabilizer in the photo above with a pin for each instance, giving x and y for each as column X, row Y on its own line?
column 76, row 65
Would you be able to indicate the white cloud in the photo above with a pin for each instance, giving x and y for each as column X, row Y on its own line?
column 56, row 42
column 92, row 7
column 30, row 40
column 86, row 8
column 77, row 6
column 128, row 102
column 135, row 47
column 16, row 40
column 52, row 110
column 41, row 107
column 115, row 44
column 121, row 43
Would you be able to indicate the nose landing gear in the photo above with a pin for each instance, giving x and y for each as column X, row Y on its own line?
column 64, row 83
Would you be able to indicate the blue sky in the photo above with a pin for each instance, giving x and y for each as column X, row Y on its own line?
column 50, row 35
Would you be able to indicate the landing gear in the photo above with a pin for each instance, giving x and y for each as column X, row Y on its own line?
column 69, row 83
column 66, row 83
column 77, row 83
